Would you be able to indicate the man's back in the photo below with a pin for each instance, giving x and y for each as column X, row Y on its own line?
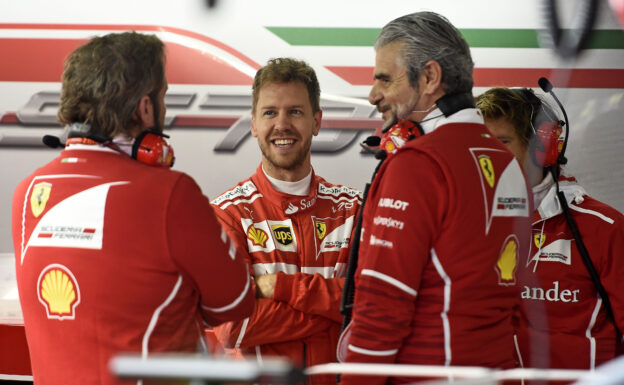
column 109, row 260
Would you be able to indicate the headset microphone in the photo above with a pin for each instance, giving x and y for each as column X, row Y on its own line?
column 52, row 141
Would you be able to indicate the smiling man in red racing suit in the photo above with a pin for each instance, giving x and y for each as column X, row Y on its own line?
column 296, row 227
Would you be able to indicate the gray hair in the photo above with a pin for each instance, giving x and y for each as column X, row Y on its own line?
column 428, row 36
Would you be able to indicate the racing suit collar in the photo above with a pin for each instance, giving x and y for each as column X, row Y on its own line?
column 290, row 204
column 436, row 118
column 549, row 206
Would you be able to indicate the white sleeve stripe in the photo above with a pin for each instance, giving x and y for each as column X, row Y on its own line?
column 592, row 212
column 369, row 352
column 155, row 315
column 231, row 305
column 388, row 279
column 242, row 333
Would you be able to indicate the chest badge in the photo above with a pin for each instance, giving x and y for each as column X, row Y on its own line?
column 539, row 240
column 487, row 169
column 321, row 229
column 39, row 197
column 282, row 234
column 257, row 236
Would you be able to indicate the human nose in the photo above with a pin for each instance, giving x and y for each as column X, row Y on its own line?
column 374, row 97
column 282, row 120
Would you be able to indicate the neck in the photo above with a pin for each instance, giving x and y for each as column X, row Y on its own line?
column 287, row 175
column 426, row 102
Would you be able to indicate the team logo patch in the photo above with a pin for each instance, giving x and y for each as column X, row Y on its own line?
column 58, row 291
column 39, row 197
column 321, row 229
column 539, row 240
column 507, row 261
column 257, row 236
column 283, row 234
column 487, row 168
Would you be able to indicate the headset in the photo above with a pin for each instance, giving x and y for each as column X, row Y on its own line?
column 551, row 156
column 546, row 145
column 150, row 147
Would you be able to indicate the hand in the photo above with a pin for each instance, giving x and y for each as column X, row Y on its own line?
column 265, row 285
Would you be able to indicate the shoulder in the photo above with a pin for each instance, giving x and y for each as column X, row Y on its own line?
column 595, row 211
column 245, row 191
column 336, row 191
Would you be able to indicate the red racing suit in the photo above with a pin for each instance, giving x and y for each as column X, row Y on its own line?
column 445, row 224
column 564, row 323
column 116, row 256
column 306, row 241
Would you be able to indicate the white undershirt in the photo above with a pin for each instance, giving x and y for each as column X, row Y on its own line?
column 300, row 187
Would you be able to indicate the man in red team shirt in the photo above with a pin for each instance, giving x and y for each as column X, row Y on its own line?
column 115, row 252
column 580, row 332
column 295, row 226
column 446, row 220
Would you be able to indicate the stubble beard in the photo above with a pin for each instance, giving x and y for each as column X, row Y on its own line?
column 290, row 162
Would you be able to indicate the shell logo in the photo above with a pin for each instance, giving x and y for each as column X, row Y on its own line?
column 58, row 291
column 257, row 236
column 507, row 261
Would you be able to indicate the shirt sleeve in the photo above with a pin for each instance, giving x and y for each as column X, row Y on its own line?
column 205, row 255
column 312, row 294
column 402, row 218
column 271, row 322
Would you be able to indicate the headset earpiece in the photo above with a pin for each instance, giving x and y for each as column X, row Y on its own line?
column 549, row 136
column 546, row 142
column 151, row 148
column 398, row 134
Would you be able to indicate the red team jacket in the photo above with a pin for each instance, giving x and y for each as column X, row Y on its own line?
column 116, row 256
column 444, row 228
column 565, row 324
column 306, row 241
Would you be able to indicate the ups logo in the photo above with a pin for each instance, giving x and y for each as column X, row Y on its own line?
column 283, row 234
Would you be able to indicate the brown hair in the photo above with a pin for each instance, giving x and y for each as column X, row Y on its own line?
column 286, row 70
column 502, row 102
column 104, row 80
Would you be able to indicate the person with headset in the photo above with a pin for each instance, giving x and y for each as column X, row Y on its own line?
column 115, row 252
column 295, row 226
column 446, row 218
column 577, row 242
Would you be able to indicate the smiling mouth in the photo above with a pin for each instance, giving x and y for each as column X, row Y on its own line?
column 283, row 142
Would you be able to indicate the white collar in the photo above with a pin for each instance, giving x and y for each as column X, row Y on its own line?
column 436, row 118
column 550, row 206
column 300, row 187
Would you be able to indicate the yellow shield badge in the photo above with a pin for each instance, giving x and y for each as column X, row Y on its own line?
column 39, row 197
column 321, row 229
column 487, row 169
column 539, row 240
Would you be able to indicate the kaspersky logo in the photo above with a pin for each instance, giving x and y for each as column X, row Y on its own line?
column 211, row 107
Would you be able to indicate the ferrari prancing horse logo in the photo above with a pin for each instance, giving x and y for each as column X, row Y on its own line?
column 39, row 197
column 487, row 169
column 539, row 240
column 321, row 229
